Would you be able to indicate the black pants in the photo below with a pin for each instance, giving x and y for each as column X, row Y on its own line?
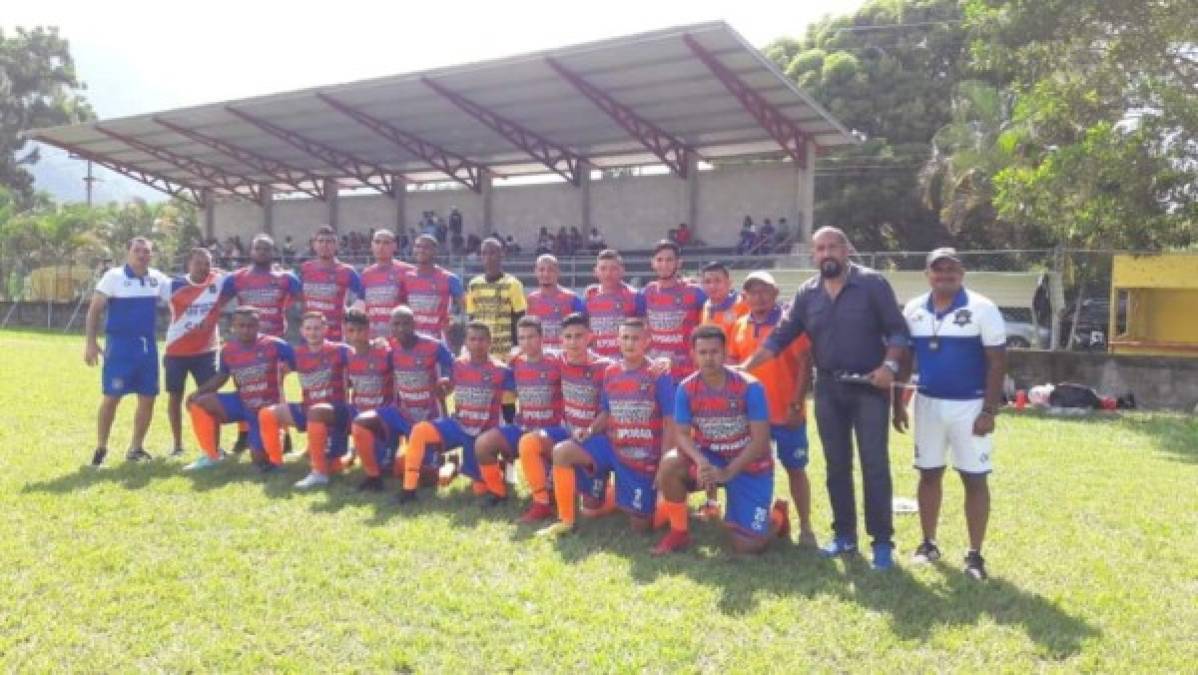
column 840, row 410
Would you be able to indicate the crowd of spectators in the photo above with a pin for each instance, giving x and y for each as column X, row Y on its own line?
column 764, row 239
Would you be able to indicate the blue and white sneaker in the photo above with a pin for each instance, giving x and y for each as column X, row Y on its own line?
column 883, row 555
column 839, row 546
column 204, row 462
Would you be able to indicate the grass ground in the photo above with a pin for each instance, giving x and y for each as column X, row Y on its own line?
column 1093, row 552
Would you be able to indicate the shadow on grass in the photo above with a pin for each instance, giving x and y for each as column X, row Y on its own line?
column 915, row 609
column 1173, row 434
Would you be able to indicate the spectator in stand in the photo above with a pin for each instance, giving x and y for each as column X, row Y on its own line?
column 782, row 240
column 561, row 243
column 765, row 239
column 457, row 244
column 288, row 251
column 455, row 223
column 576, row 242
column 545, row 242
column 748, row 237
column 683, row 235
column 473, row 243
column 595, row 241
column 510, row 246
column 441, row 230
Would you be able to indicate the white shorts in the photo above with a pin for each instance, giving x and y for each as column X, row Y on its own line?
column 943, row 423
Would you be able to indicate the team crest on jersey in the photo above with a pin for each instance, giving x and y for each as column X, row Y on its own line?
column 153, row 282
column 962, row 317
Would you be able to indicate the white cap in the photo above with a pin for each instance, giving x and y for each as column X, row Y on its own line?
column 762, row 276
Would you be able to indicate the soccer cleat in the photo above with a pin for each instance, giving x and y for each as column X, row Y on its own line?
column 312, row 480
column 204, row 462
column 558, row 529
column 448, row 471
column 490, row 501
column 268, row 467
column 673, row 542
column 883, row 556
column 177, row 452
column 926, row 552
column 839, row 546
column 371, row 484
column 405, row 497
column 242, row 444
column 536, row 513
column 137, row 455
column 782, row 508
column 710, row 512
column 975, row 566
column 98, row 456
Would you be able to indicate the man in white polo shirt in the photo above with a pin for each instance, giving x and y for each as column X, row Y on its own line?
column 131, row 294
column 958, row 342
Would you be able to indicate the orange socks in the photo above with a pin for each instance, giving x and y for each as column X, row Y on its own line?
column 271, row 431
column 493, row 479
column 563, row 492
column 364, row 444
column 675, row 513
column 204, row 426
column 422, row 435
column 318, row 444
column 533, row 463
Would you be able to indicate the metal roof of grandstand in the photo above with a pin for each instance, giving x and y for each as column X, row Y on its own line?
column 698, row 92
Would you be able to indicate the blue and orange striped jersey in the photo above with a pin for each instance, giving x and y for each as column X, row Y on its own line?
column 256, row 368
column 606, row 310
column 672, row 312
column 322, row 372
column 325, row 288
column 370, row 377
column 195, row 313
column 551, row 305
column 416, row 371
column 478, row 393
column 538, row 390
column 582, row 388
column 382, row 291
column 637, row 401
column 270, row 292
column 430, row 295
column 719, row 417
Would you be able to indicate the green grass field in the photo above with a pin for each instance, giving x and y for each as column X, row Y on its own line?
column 1093, row 554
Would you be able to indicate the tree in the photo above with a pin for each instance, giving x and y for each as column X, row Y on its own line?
column 38, row 88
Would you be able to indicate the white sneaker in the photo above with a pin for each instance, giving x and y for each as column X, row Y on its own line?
column 312, row 480
column 204, row 462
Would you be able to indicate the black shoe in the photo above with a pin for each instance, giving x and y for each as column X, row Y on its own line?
column 975, row 566
column 405, row 497
column 268, row 467
column 242, row 444
column 371, row 484
column 287, row 444
column 492, row 500
column 98, row 456
column 927, row 552
column 137, row 455
column 177, row 452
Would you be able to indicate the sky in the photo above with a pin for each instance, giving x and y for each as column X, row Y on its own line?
column 139, row 57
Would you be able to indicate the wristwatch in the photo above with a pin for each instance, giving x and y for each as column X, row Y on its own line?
column 892, row 365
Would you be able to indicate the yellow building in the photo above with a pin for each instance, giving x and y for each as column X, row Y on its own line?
column 1158, row 295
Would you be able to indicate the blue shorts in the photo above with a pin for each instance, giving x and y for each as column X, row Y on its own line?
column 235, row 411
column 339, row 433
column 512, row 433
column 201, row 367
column 635, row 493
column 791, row 445
column 454, row 436
column 749, row 497
column 130, row 366
column 397, row 425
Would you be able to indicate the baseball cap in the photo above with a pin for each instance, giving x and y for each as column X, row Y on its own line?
column 943, row 253
column 762, row 276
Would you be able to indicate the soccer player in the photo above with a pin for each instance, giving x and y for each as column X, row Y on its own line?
column 130, row 294
column 672, row 309
column 724, row 306
column 608, row 303
column 420, row 366
column 257, row 364
column 327, row 285
column 322, row 413
column 261, row 286
column 496, row 298
column 550, row 302
column 479, row 382
column 581, row 384
column 638, row 417
column 433, row 293
column 787, row 379
column 723, row 438
column 192, row 340
column 538, row 380
column 372, row 387
column 382, row 283
column 959, row 340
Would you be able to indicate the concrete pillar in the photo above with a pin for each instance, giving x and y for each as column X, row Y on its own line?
column 332, row 195
column 692, row 194
column 268, row 215
column 401, row 204
column 806, row 195
column 209, row 215
column 488, row 194
column 584, row 197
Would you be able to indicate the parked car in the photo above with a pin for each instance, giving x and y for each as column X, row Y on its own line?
column 1022, row 332
column 1092, row 325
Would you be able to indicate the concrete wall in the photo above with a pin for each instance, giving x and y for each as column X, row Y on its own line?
column 1159, row 383
column 631, row 212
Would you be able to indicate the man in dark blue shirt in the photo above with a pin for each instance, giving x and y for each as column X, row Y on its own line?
column 858, row 336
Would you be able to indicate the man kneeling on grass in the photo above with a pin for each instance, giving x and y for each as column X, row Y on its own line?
column 723, row 438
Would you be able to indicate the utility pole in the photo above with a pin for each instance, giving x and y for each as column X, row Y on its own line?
column 88, row 180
